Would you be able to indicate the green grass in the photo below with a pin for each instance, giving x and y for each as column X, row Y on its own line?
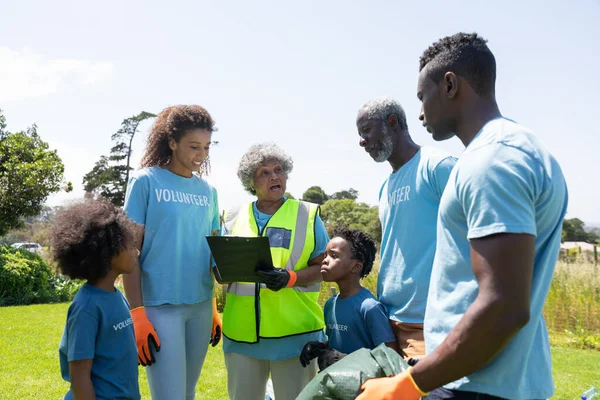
column 29, row 368
column 574, row 371
column 29, row 338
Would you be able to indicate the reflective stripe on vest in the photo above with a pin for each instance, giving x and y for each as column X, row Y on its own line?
column 289, row 311
column 299, row 237
column 229, row 219
column 248, row 289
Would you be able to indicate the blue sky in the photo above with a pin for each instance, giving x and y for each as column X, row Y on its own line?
column 295, row 74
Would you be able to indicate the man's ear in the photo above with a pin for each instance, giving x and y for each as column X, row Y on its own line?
column 451, row 83
column 392, row 121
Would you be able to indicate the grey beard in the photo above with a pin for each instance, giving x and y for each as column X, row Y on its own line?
column 387, row 147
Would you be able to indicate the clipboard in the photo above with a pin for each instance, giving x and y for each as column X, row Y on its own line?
column 237, row 257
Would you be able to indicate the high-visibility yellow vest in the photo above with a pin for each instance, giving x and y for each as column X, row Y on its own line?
column 251, row 310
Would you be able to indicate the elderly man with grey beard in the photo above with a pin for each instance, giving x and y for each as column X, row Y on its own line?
column 408, row 207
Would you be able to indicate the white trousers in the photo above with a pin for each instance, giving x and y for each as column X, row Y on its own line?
column 247, row 377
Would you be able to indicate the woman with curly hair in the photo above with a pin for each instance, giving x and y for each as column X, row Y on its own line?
column 171, row 291
column 95, row 241
column 266, row 324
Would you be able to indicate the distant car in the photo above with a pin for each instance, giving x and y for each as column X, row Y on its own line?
column 32, row 247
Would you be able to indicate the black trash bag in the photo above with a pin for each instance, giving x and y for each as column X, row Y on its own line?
column 342, row 380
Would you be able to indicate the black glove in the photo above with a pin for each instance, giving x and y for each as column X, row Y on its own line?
column 329, row 357
column 214, row 340
column 311, row 350
column 412, row 361
column 275, row 278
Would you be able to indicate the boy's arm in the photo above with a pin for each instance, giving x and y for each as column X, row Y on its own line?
column 379, row 327
column 82, row 330
column 81, row 381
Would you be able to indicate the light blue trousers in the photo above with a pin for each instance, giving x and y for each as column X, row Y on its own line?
column 184, row 331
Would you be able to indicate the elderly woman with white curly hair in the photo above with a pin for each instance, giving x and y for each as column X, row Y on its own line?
column 265, row 325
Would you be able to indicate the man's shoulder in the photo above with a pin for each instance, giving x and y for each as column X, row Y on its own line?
column 500, row 158
column 383, row 186
column 505, row 136
column 432, row 157
column 434, row 153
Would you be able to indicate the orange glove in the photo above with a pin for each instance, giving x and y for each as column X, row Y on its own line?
column 217, row 326
column 401, row 386
column 145, row 336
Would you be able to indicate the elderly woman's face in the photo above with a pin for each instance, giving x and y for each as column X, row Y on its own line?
column 269, row 181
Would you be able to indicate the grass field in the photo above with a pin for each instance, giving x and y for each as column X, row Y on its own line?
column 29, row 369
column 29, row 338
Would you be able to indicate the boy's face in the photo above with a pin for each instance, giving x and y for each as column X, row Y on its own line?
column 126, row 260
column 338, row 262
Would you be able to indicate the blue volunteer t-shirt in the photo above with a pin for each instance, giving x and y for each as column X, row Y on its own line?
column 408, row 208
column 177, row 213
column 505, row 182
column 99, row 327
column 287, row 347
column 356, row 322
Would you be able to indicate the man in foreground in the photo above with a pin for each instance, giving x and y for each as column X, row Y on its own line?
column 499, row 230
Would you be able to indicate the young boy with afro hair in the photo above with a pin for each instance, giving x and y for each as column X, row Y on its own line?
column 94, row 240
column 354, row 319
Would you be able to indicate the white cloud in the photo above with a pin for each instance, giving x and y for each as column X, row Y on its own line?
column 25, row 74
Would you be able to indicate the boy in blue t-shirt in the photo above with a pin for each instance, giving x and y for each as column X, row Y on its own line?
column 354, row 318
column 95, row 241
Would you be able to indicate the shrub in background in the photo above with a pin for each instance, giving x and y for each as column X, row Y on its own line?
column 25, row 278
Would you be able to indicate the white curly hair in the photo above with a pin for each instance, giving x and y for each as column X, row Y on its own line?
column 258, row 155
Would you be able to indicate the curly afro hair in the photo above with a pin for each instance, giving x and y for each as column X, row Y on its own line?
column 465, row 54
column 257, row 156
column 87, row 236
column 362, row 245
column 173, row 123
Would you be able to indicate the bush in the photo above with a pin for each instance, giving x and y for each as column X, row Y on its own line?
column 65, row 288
column 583, row 339
column 25, row 278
